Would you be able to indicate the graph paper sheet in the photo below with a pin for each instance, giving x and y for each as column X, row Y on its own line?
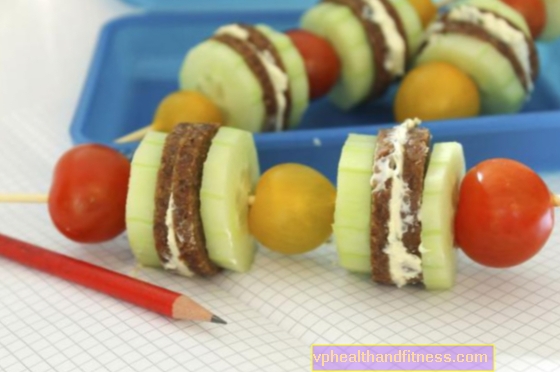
column 275, row 312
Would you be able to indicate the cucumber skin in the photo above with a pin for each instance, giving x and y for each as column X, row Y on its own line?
column 353, row 203
column 140, row 202
column 412, row 25
column 295, row 68
column 212, row 68
column 439, row 202
column 340, row 27
column 225, row 226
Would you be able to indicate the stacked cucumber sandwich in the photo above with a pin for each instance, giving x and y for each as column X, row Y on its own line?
column 395, row 205
column 491, row 42
column 255, row 75
column 188, row 196
column 374, row 40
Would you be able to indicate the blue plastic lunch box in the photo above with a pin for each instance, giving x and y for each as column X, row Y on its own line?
column 138, row 57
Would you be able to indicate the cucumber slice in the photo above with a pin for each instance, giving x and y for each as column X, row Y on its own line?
column 552, row 26
column 340, row 27
column 221, row 74
column 500, row 89
column 353, row 203
column 140, row 201
column 295, row 68
column 412, row 25
column 229, row 177
column 504, row 10
column 439, row 201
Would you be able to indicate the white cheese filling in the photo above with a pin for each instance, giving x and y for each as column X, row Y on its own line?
column 403, row 265
column 174, row 263
column 395, row 60
column 278, row 77
column 500, row 29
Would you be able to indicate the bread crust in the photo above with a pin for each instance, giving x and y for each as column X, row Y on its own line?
column 180, row 177
column 416, row 152
column 258, row 42
column 376, row 40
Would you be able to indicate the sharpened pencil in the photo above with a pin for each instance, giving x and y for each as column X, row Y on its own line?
column 137, row 292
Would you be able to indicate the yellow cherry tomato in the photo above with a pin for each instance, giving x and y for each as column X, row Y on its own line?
column 293, row 210
column 185, row 107
column 436, row 91
column 426, row 10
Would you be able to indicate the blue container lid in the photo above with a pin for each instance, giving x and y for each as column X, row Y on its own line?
column 212, row 5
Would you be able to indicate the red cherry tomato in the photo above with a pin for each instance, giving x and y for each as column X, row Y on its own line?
column 88, row 195
column 534, row 12
column 505, row 213
column 321, row 61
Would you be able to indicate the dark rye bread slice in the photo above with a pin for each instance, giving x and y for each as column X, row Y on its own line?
column 189, row 153
column 163, row 189
column 263, row 44
column 376, row 40
column 478, row 32
column 257, row 41
column 413, row 172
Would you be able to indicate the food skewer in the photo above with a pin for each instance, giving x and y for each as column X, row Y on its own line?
column 204, row 180
column 326, row 58
column 143, row 294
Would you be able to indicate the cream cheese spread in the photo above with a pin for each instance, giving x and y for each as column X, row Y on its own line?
column 403, row 265
column 395, row 60
column 278, row 77
column 174, row 263
column 500, row 29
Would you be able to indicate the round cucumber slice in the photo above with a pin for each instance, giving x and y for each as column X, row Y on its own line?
column 353, row 203
column 552, row 26
column 221, row 74
column 504, row 10
column 140, row 201
column 439, row 202
column 295, row 68
column 412, row 25
column 340, row 27
column 500, row 89
column 229, row 177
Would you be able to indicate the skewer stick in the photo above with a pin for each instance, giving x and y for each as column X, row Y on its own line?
column 556, row 200
column 24, row 198
column 137, row 135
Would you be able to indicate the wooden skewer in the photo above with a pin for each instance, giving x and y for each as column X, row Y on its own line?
column 24, row 198
column 556, row 200
column 137, row 135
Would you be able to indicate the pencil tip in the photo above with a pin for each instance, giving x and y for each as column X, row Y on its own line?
column 217, row 319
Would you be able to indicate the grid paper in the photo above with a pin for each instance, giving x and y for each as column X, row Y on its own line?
column 517, row 309
column 276, row 311
column 47, row 324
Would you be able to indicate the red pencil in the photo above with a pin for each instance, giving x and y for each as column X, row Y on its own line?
column 146, row 295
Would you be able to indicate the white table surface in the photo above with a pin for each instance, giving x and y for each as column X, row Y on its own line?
column 45, row 51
